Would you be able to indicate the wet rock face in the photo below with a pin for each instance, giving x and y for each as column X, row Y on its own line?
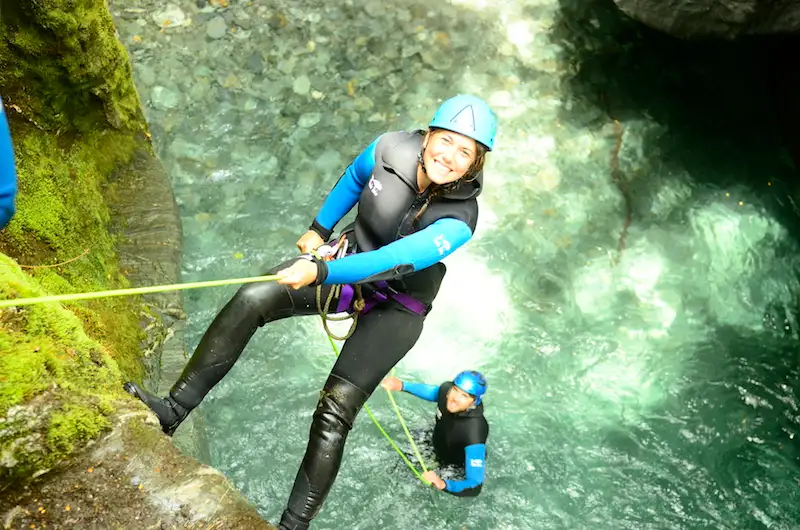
column 132, row 477
column 725, row 19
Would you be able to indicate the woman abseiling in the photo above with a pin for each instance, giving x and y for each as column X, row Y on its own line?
column 416, row 194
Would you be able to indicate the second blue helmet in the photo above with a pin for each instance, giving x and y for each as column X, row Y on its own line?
column 473, row 383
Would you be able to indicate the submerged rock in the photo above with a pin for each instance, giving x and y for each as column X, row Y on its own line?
column 216, row 28
column 164, row 99
column 170, row 16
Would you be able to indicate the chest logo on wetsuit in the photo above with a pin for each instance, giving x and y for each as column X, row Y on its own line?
column 476, row 462
column 442, row 244
column 375, row 185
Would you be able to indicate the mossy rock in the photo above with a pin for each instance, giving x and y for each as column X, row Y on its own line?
column 69, row 436
column 56, row 383
column 63, row 69
column 75, row 118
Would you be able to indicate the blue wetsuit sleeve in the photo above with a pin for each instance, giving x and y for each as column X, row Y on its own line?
column 404, row 256
column 8, row 175
column 472, row 484
column 426, row 392
column 346, row 192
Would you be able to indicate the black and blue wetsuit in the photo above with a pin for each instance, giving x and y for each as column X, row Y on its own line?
column 458, row 439
column 397, row 239
column 8, row 175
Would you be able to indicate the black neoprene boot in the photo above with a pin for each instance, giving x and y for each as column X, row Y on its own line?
column 169, row 411
column 338, row 406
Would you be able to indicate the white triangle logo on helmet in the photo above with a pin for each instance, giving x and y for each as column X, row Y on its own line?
column 465, row 119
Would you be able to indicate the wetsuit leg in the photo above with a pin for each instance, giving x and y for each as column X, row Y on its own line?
column 381, row 339
column 251, row 307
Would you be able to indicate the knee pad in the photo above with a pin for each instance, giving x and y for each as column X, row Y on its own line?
column 340, row 399
column 339, row 404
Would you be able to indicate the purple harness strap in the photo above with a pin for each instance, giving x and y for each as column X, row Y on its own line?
column 382, row 294
column 345, row 299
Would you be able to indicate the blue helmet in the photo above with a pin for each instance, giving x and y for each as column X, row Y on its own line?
column 467, row 115
column 473, row 383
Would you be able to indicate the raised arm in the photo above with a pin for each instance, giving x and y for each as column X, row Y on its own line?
column 426, row 392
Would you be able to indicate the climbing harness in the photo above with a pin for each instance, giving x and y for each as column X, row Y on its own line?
column 351, row 298
column 328, row 253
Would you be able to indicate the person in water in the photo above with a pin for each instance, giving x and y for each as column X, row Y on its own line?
column 417, row 203
column 460, row 434
column 8, row 175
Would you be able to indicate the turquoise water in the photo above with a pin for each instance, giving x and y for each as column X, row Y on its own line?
column 637, row 389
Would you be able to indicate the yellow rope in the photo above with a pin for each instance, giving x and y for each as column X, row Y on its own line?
column 13, row 302
column 358, row 305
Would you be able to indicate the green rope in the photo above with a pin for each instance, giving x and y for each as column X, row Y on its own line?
column 405, row 429
column 378, row 425
column 138, row 290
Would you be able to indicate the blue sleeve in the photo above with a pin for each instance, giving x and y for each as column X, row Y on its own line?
column 8, row 175
column 345, row 194
column 426, row 392
column 404, row 256
column 472, row 484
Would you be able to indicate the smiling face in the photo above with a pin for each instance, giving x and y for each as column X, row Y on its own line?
column 458, row 400
column 448, row 156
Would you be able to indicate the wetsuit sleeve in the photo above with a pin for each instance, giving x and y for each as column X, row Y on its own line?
column 472, row 484
column 345, row 193
column 404, row 256
column 8, row 175
column 426, row 392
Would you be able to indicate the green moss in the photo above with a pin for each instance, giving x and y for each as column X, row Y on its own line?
column 75, row 119
column 61, row 208
column 44, row 350
column 74, row 424
column 61, row 214
column 43, row 344
column 63, row 67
